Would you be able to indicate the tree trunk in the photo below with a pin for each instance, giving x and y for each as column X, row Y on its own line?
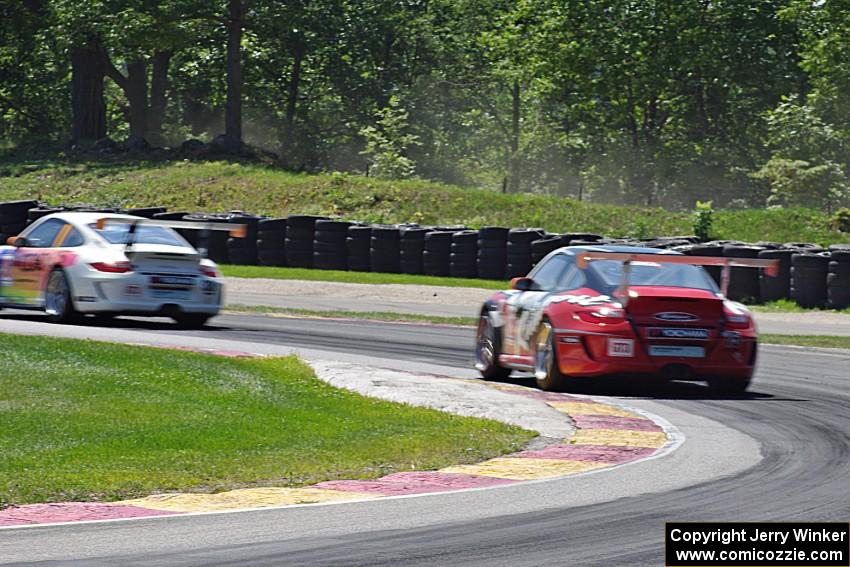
column 513, row 162
column 288, row 134
column 233, row 106
column 137, row 96
column 158, row 100
column 89, row 108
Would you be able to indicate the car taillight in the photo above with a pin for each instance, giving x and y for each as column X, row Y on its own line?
column 603, row 316
column 737, row 318
column 209, row 271
column 113, row 267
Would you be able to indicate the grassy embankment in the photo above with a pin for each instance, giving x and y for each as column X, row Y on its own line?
column 81, row 420
column 220, row 186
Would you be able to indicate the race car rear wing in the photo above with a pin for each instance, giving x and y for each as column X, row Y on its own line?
column 235, row 230
column 770, row 267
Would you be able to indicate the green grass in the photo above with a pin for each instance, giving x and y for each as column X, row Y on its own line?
column 221, row 186
column 81, row 420
column 368, row 315
column 354, row 277
column 807, row 340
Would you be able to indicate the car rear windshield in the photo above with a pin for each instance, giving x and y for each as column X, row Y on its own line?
column 117, row 232
column 652, row 273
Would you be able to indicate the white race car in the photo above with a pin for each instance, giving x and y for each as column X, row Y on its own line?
column 75, row 263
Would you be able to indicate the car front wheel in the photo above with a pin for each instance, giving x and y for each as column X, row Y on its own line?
column 487, row 350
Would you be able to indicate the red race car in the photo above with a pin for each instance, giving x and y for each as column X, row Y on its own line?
column 585, row 312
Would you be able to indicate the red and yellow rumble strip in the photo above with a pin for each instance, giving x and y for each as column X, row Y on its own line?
column 605, row 436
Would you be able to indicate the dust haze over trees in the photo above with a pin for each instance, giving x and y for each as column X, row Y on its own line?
column 656, row 102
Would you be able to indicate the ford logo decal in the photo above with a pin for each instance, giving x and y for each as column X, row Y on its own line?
column 675, row 316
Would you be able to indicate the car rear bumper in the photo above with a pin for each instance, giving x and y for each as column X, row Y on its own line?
column 132, row 294
column 603, row 354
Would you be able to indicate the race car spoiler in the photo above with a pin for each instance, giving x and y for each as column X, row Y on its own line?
column 235, row 230
column 770, row 267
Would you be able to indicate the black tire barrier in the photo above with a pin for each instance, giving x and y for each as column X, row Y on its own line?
column 804, row 247
column 146, row 212
column 270, row 240
column 171, row 215
column 437, row 248
column 743, row 282
column 15, row 212
column 713, row 251
column 808, row 280
column 271, row 257
column 492, row 252
column 13, row 229
column 358, row 246
column 667, row 243
column 244, row 250
column 542, row 247
column 779, row 286
column 838, row 278
column 519, row 251
column 463, row 258
column 330, row 250
column 299, row 240
column 412, row 246
column 215, row 241
column 583, row 237
column 41, row 211
column 272, row 225
column 385, row 249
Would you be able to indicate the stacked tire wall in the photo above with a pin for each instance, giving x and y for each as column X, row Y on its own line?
column 492, row 253
column 13, row 218
column 838, row 278
column 463, row 260
column 300, row 232
column 358, row 245
column 807, row 274
column 330, row 247
column 271, row 242
column 385, row 249
column 809, row 279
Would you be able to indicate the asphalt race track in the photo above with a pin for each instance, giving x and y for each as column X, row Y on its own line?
column 797, row 413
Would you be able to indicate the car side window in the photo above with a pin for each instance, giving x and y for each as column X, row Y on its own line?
column 44, row 234
column 572, row 279
column 72, row 238
column 548, row 276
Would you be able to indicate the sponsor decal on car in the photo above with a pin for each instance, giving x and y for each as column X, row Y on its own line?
column 656, row 332
column 675, row 316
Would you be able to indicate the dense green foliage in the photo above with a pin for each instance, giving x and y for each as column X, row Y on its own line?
column 221, row 186
column 650, row 102
column 94, row 421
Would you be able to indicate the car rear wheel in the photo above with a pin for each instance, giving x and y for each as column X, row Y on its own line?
column 729, row 384
column 192, row 320
column 487, row 350
column 57, row 298
column 546, row 371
